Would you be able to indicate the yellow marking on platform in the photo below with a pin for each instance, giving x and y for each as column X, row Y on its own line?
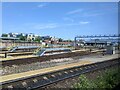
column 2, row 54
column 97, row 50
column 41, row 71
column 87, row 50
column 17, row 57
column 80, row 50
column 20, row 53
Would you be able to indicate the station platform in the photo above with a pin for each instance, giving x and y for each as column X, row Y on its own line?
column 30, row 56
column 41, row 71
column 83, row 61
column 26, row 56
column 17, row 57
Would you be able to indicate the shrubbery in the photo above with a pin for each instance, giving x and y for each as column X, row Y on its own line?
column 110, row 79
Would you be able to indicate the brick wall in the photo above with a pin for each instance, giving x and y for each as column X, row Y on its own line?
column 8, row 44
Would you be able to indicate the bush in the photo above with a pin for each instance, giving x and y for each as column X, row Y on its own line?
column 84, row 83
column 110, row 79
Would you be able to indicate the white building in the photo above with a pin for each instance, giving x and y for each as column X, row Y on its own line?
column 30, row 37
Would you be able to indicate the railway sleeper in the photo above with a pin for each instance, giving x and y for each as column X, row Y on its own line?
column 47, row 79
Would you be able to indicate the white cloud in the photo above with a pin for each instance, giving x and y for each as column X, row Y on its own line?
column 41, row 5
column 75, row 11
column 45, row 26
column 72, row 24
column 33, row 26
column 84, row 22
column 78, row 23
column 92, row 14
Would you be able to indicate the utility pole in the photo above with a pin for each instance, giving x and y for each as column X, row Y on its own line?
column 75, row 42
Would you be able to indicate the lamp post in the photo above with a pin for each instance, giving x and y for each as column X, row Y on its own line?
column 75, row 42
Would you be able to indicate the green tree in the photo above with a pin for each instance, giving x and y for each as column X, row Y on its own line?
column 4, row 35
column 60, row 39
column 22, row 37
column 69, row 40
column 37, row 39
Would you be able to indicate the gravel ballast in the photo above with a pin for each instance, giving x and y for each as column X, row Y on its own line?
column 46, row 64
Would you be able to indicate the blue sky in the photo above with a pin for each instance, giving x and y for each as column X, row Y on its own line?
column 60, row 19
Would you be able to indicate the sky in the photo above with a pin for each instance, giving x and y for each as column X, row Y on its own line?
column 60, row 19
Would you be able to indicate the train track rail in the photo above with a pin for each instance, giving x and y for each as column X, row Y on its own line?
column 39, row 81
column 34, row 59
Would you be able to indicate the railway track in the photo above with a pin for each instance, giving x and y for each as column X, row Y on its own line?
column 39, row 81
column 29, row 60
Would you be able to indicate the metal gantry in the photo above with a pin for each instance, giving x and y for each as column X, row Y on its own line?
column 109, row 37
